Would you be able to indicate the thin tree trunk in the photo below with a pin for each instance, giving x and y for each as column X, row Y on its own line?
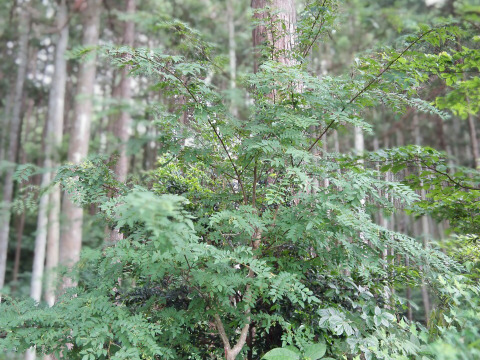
column 408, row 294
column 40, row 238
column 56, row 108
column 71, row 239
column 18, row 250
column 359, row 141
column 473, row 141
column 15, row 129
column 5, row 126
column 232, row 52
column 424, row 222
column 336, row 143
column 121, row 128
column 69, row 100
column 425, row 234
column 326, row 181
column 21, row 220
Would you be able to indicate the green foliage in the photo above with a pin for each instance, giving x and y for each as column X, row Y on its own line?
column 234, row 224
column 452, row 193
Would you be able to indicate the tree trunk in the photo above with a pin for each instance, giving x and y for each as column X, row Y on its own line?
column 285, row 21
column 473, row 141
column 18, row 250
column 258, row 32
column 424, row 221
column 232, row 53
column 408, row 294
column 56, row 107
column 326, row 181
column 53, row 138
column 425, row 234
column 5, row 126
column 359, row 141
column 40, row 237
column 121, row 128
column 15, row 129
column 336, row 143
column 22, row 159
column 71, row 239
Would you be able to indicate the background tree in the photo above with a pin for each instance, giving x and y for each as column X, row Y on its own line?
column 14, row 134
column 71, row 238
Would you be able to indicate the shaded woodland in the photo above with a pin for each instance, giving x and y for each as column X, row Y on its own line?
column 220, row 179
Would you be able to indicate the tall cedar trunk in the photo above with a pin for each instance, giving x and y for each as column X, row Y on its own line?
column 285, row 21
column 121, row 128
column 56, row 107
column 15, row 129
column 258, row 32
column 71, row 239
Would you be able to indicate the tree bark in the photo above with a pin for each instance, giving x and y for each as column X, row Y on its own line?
column 22, row 159
column 258, row 32
column 121, row 128
column 232, row 46
column 425, row 234
column 473, row 141
column 280, row 34
column 71, row 239
column 424, row 221
column 359, row 141
column 18, row 250
column 56, row 108
column 15, row 129
column 5, row 126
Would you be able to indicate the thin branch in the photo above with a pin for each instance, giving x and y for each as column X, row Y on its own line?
column 222, row 333
column 453, row 181
column 370, row 83
column 241, row 340
column 307, row 49
column 194, row 98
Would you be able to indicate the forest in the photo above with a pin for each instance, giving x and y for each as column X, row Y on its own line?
column 239, row 179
